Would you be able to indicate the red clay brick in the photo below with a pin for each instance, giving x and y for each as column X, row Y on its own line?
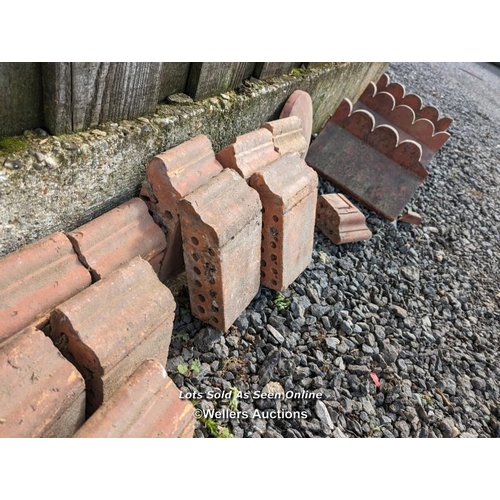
column 410, row 217
column 147, row 405
column 111, row 240
column 249, row 152
column 110, row 328
column 41, row 393
column 287, row 136
column 300, row 104
column 340, row 220
column 169, row 177
column 288, row 192
column 221, row 233
column 36, row 279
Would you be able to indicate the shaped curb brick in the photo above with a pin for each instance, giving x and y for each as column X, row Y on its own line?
column 221, row 234
column 287, row 136
column 110, row 328
column 41, row 393
column 111, row 240
column 37, row 278
column 340, row 221
column 288, row 192
column 169, row 177
column 147, row 405
column 368, row 162
column 414, row 102
column 414, row 121
column 249, row 152
column 299, row 104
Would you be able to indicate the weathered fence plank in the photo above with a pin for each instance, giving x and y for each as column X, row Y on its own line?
column 267, row 69
column 211, row 78
column 173, row 78
column 56, row 79
column 20, row 97
column 81, row 95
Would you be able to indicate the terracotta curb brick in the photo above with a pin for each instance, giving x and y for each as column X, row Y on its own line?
column 300, row 104
column 412, row 121
column 147, row 405
column 287, row 136
column 340, row 220
column 169, row 177
column 410, row 217
column 249, row 152
column 288, row 192
column 41, row 393
column 110, row 328
column 221, row 234
column 37, row 278
column 111, row 240
column 413, row 101
column 367, row 162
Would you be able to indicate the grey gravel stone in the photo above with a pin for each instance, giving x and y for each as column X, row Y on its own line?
column 207, row 338
column 447, row 426
column 410, row 273
column 323, row 415
column 332, row 342
column 399, row 311
column 277, row 335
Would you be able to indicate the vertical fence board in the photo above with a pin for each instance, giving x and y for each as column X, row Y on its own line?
column 81, row 95
column 57, row 97
column 21, row 101
column 173, row 78
column 268, row 69
column 211, row 78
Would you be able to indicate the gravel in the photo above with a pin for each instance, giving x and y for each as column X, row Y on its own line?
column 417, row 306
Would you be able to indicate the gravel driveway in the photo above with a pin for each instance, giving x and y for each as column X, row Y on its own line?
column 394, row 337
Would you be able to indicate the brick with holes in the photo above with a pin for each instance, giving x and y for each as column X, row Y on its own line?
column 169, row 177
column 37, row 278
column 221, row 233
column 41, row 393
column 287, row 136
column 111, row 240
column 147, row 405
column 288, row 192
column 110, row 328
column 340, row 221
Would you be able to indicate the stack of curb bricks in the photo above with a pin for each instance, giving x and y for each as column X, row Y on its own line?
column 86, row 317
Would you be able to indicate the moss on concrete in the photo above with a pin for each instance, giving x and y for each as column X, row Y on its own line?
column 9, row 145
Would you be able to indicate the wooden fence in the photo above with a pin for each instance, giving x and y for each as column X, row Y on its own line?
column 70, row 97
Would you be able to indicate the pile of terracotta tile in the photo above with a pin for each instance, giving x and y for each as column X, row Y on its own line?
column 377, row 152
column 85, row 326
column 235, row 220
column 86, row 317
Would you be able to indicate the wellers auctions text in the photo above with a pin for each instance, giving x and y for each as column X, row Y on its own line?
column 222, row 395
column 243, row 415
